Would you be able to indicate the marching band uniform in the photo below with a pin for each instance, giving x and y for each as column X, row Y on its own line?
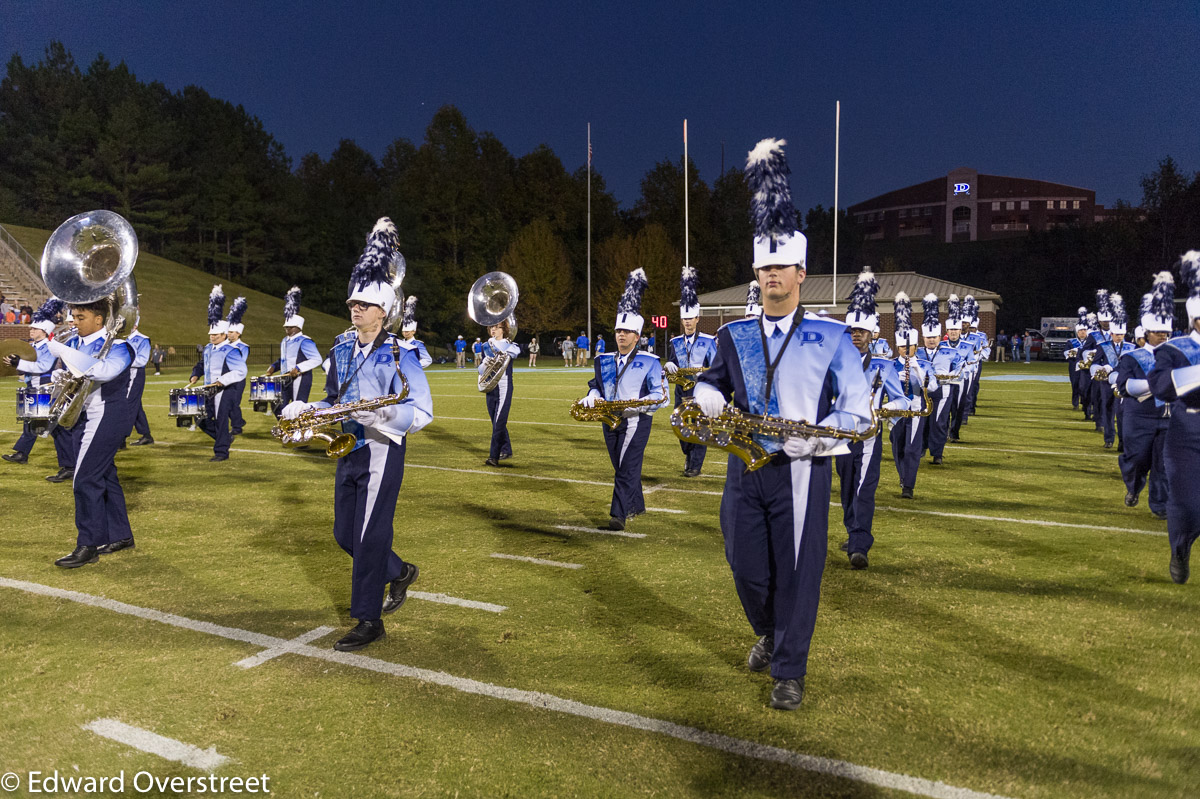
column 1072, row 357
column 1105, row 363
column 66, row 442
column 688, row 352
column 1145, row 419
column 408, row 330
column 944, row 359
column 1174, row 379
column 296, row 351
column 368, row 479
column 100, row 516
column 236, row 312
column 858, row 469
column 966, row 354
column 37, row 372
column 907, row 435
column 1096, row 336
column 630, row 376
column 979, row 341
column 801, row 367
column 499, row 399
column 223, row 364
column 879, row 346
column 140, row 343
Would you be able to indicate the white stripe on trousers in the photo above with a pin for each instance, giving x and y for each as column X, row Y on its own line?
column 379, row 454
column 629, row 430
column 801, row 476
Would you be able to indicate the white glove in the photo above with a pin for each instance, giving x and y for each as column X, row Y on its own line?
column 671, row 367
column 915, row 403
column 589, row 401
column 629, row 413
column 797, row 447
column 711, row 403
column 59, row 375
column 830, row 446
column 365, row 418
column 295, row 408
column 896, row 405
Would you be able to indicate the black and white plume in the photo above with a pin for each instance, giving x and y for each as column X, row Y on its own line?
column 954, row 313
column 291, row 303
column 409, row 321
column 236, row 311
column 216, row 306
column 689, row 301
column 1117, row 303
column 1159, row 317
column 635, row 288
column 753, row 299
column 1093, row 322
column 1083, row 314
column 49, row 310
column 1103, row 305
column 932, row 323
column 374, row 264
column 1189, row 268
column 767, row 174
column 861, row 308
column 970, row 310
column 902, row 310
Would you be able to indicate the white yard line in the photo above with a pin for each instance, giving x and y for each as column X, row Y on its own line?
column 598, row 531
column 580, row 425
column 665, row 510
column 462, row 603
column 290, row 646
column 155, row 744
column 989, row 448
column 723, row 743
column 538, row 561
column 1035, row 522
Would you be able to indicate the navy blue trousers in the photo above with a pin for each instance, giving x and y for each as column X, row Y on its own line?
column 1106, row 407
column 499, row 401
column 1142, row 461
column 776, row 523
column 956, row 409
column 693, row 454
column 296, row 391
column 1077, row 396
column 25, row 441
column 140, row 424
column 1094, row 398
column 365, row 488
column 1181, row 455
column 907, row 448
column 937, row 425
column 858, row 473
column 626, row 445
column 975, row 388
column 216, row 424
column 100, row 515
column 236, row 420
column 66, row 445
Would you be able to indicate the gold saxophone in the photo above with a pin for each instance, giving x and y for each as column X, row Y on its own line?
column 733, row 431
column 684, row 377
column 609, row 411
column 323, row 423
column 884, row 413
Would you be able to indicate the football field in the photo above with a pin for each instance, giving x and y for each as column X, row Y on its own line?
column 1016, row 634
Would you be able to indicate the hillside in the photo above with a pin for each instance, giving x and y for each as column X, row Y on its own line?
column 174, row 302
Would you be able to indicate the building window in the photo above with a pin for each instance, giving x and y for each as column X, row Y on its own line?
column 927, row 211
column 1024, row 205
column 1075, row 204
column 1050, row 204
column 996, row 205
column 1062, row 204
column 903, row 213
column 1010, row 205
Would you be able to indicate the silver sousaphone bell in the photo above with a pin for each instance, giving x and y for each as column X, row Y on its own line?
column 491, row 300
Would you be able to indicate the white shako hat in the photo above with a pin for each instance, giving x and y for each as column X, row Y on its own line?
column 753, row 299
column 236, row 311
column 216, row 309
column 371, row 280
column 906, row 334
column 410, row 315
column 689, row 302
column 43, row 317
column 861, row 312
column 1158, row 307
column 1082, row 324
column 629, row 307
column 931, row 325
column 1117, row 326
column 291, row 309
column 776, row 240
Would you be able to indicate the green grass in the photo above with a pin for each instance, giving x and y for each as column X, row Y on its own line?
column 1000, row 656
column 174, row 301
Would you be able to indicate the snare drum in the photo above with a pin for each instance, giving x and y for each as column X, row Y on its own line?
column 264, row 393
column 187, row 406
column 33, row 402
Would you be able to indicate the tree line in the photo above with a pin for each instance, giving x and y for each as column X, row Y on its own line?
column 205, row 184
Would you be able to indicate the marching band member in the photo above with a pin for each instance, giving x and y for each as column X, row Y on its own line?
column 408, row 330
column 367, row 480
column 221, row 364
column 1145, row 419
column 1105, row 364
column 796, row 366
column 965, row 352
column 1072, row 355
column 983, row 350
column 140, row 343
column 753, row 300
column 627, row 374
column 100, row 516
column 1174, row 379
column 879, row 345
column 858, row 469
column 66, row 441
column 298, row 354
column 1097, row 335
column 943, row 358
column 907, row 436
column 36, row 372
column 499, row 398
column 691, row 350
column 236, row 327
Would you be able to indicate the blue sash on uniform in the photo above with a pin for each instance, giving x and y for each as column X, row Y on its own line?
column 1188, row 346
column 747, row 340
column 608, row 374
column 1144, row 358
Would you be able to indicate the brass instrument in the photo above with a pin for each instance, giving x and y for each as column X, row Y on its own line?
column 684, row 377
column 1086, row 361
column 322, row 423
column 610, row 411
column 88, row 258
column 733, row 431
column 947, row 379
column 884, row 413
column 1102, row 374
column 492, row 299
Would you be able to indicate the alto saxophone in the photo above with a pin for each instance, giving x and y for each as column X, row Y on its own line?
column 684, row 377
column 323, row 423
column 884, row 413
column 733, row 431
column 609, row 411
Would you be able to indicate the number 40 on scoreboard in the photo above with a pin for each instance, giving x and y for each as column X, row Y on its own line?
column 659, row 321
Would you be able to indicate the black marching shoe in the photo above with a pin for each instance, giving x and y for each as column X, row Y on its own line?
column 141, row 442
column 691, row 472
column 61, row 476
column 398, row 591
column 217, row 458
column 1179, row 569
column 787, row 694
column 760, row 654
column 505, row 456
column 1131, row 499
column 16, row 457
column 614, row 523
column 1159, row 514
column 858, row 560
column 906, row 493
column 937, row 461
column 363, row 634
column 844, row 546
column 491, row 462
column 1108, row 445
column 115, row 546
column 237, row 432
column 84, row 555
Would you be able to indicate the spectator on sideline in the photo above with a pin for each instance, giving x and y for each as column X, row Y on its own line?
column 599, row 344
column 534, row 349
column 1001, row 346
column 1015, row 349
column 643, row 343
column 651, row 343
column 477, row 349
column 460, row 353
column 582, row 347
column 566, row 347
column 1028, row 346
column 156, row 358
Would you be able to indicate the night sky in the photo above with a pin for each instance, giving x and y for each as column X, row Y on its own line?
column 1089, row 94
